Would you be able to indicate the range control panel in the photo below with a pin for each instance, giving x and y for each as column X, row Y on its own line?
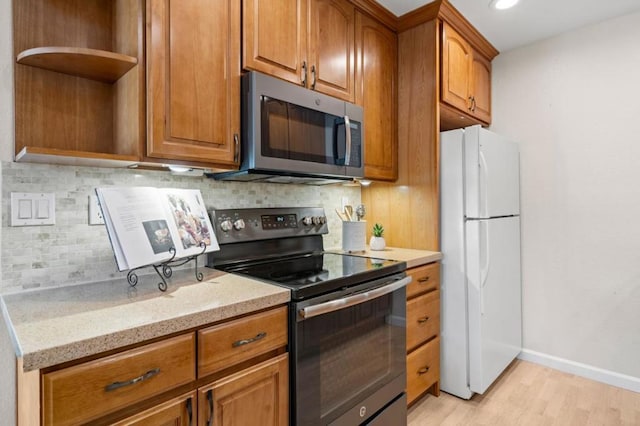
column 241, row 225
column 279, row 221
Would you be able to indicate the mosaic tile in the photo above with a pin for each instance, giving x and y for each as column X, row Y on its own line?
column 72, row 251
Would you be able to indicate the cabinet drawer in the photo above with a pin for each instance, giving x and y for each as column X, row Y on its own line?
column 87, row 391
column 423, row 318
column 423, row 368
column 224, row 345
column 425, row 278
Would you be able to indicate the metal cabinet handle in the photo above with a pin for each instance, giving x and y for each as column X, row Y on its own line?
column 473, row 103
column 190, row 411
column 423, row 370
column 236, row 141
column 117, row 385
column 243, row 342
column 303, row 75
column 423, row 320
column 210, row 401
column 470, row 103
column 313, row 77
column 423, row 279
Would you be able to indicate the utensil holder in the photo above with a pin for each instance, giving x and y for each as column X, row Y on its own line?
column 354, row 236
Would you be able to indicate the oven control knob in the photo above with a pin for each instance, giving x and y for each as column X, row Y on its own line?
column 319, row 220
column 226, row 225
column 307, row 220
column 238, row 224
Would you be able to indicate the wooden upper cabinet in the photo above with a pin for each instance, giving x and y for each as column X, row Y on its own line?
column 466, row 76
column 377, row 58
column 331, row 48
column 274, row 38
column 193, row 71
column 307, row 42
column 481, row 87
column 79, row 81
column 456, row 69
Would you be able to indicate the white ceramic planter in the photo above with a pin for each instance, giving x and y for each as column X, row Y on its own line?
column 377, row 243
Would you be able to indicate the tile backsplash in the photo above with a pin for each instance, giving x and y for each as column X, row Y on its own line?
column 72, row 251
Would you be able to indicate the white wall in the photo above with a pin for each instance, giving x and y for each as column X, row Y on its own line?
column 573, row 103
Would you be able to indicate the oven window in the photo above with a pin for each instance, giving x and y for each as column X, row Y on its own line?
column 344, row 356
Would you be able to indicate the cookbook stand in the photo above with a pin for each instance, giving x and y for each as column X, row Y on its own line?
column 132, row 277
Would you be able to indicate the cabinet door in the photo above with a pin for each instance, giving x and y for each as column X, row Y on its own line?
column 481, row 88
column 377, row 58
column 84, row 392
column 180, row 411
column 256, row 396
column 423, row 319
column 424, row 278
column 423, row 370
column 193, row 68
column 456, row 66
column 233, row 342
column 331, row 48
column 274, row 38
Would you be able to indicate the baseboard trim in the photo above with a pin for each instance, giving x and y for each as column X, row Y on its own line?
column 583, row 370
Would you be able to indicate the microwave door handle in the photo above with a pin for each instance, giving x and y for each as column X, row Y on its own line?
column 347, row 149
column 334, row 305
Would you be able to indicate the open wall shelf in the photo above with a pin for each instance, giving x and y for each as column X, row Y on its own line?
column 95, row 64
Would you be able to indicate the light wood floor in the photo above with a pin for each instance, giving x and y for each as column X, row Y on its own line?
column 530, row 394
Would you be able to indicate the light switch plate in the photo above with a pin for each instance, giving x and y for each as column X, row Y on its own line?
column 33, row 208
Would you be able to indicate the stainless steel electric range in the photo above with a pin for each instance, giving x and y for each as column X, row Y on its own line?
column 347, row 333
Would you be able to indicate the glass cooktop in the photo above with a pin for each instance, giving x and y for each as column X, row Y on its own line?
column 318, row 273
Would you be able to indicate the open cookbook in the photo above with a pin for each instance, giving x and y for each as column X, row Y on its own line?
column 147, row 225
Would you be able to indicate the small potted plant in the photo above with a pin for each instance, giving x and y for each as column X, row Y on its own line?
column 377, row 240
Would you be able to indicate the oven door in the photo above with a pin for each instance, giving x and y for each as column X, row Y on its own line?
column 349, row 358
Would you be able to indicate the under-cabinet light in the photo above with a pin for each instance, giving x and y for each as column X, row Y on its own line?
column 179, row 169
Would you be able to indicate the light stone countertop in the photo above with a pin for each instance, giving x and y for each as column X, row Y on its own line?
column 56, row 325
column 413, row 257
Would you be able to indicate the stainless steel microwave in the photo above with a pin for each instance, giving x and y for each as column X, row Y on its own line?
column 291, row 134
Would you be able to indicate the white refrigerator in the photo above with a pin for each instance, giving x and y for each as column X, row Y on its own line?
column 481, row 307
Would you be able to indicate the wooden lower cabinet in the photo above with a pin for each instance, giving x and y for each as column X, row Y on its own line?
column 239, row 340
column 423, row 370
column 257, row 396
column 236, row 369
column 179, row 411
column 90, row 390
column 423, row 332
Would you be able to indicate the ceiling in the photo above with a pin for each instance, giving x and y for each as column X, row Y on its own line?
column 529, row 20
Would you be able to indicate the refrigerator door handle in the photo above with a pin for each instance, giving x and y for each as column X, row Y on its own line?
column 484, row 270
column 484, row 177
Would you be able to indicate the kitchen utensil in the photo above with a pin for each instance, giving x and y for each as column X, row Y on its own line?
column 341, row 215
column 348, row 211
column 360, row 212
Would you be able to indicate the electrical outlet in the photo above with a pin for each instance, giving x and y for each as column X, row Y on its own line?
column 344, row 202
column 95, row 213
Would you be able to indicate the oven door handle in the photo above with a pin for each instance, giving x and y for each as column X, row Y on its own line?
column 334, row 305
